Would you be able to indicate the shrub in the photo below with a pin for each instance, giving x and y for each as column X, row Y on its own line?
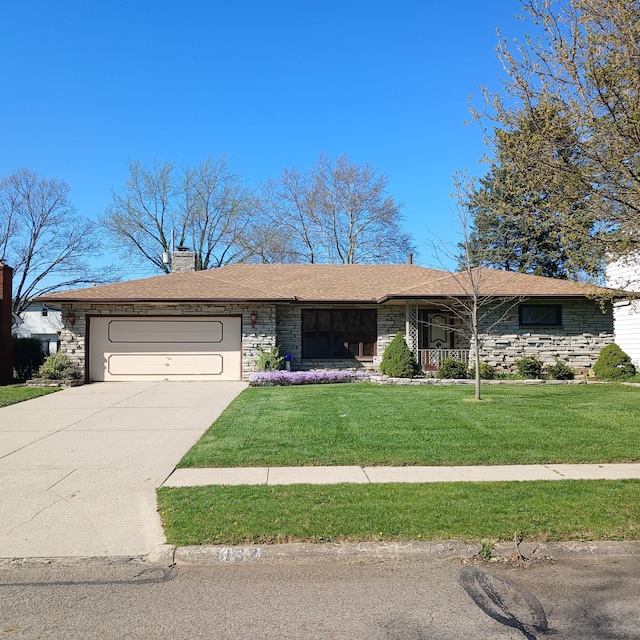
column 58, row 367
column 487, row 372
column 560, row 371
column 529, row 367
column 450, row 368
column 269, row 360
column 28, row 355
column 613, row 364
column 398, row 361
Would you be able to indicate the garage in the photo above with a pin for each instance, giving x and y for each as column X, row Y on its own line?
column 164, row 348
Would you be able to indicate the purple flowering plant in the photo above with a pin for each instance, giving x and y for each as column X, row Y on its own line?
column 274, row 378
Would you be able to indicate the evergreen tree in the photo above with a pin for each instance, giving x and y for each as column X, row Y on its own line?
column 580, row 58
column 531, row 212
column 398, row 361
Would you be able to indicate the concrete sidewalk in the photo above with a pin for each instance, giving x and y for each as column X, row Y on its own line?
column 364, row 475
column 79, row 468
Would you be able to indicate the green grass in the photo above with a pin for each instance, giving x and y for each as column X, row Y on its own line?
column 13, row 394
column 540, row 511
column 366, row 424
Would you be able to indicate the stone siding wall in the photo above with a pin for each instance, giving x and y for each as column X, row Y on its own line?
column 585, row 330
column 578, row 342
column 74, row 331
column 289, row 333
column 391, row 319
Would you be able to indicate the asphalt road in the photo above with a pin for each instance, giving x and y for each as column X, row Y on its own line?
column 390, row 600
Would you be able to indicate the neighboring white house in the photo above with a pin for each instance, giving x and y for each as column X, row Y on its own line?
column 625, row 275
column 40, row 321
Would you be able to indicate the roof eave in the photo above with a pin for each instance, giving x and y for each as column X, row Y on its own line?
column 160, row 300
column 441, row 296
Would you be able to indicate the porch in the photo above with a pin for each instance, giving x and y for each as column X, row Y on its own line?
column 434, row 335
column 430, row 359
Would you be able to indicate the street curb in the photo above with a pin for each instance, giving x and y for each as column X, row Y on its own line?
column 376, row 551
column 564, row 550
column 328, row 552
column 167, row 555
column 71, row 561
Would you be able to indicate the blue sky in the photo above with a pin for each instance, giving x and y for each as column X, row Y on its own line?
column 88, row 85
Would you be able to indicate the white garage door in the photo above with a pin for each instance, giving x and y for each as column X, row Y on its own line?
column 164, row 348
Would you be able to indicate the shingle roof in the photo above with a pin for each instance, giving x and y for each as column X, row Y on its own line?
column 317, row 283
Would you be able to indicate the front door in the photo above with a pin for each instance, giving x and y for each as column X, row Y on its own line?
column 436, row 335
column 438, row 330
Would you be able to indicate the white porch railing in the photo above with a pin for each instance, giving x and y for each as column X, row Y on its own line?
column 430, row 359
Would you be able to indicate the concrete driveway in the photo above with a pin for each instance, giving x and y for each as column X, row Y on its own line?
column 79, row 468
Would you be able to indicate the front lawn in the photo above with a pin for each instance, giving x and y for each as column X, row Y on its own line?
column 14, row 394
column 537, row 511
column 367, row 424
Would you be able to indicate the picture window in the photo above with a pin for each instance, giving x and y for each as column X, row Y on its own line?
column 339, row 334
column 540, row 315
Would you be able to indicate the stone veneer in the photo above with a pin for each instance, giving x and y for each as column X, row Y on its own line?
column 585, row 330
column 578, row 342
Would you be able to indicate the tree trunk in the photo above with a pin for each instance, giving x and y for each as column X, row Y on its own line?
column 476, row 349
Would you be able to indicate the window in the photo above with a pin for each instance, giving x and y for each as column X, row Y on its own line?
column 339, row 333
column 540, row 315
column 45, row 310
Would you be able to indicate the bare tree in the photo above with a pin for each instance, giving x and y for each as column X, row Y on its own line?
column 477, row 306
column 43, row 238
column 292, row 229
column 337, row 212
column 207, row 206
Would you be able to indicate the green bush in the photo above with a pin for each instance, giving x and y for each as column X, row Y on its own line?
column 28, row 355
column 58, row 367
column 529, row 367
column 487, row 372
column 614, row 364
column 450, row 368
column 560, row 371
column 397, row 360
column 269, row 360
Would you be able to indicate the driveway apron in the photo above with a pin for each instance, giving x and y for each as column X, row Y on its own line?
column 79, row 468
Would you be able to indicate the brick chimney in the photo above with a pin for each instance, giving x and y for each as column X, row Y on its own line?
column 6, row 342
column 182, row 259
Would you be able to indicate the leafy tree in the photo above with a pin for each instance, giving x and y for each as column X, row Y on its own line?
column 337, row 212
column 582, row 57
column 43, row 238
column 207, row 206
column 531, row 211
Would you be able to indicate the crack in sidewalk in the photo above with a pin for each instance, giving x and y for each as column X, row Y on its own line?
column 41, row 511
